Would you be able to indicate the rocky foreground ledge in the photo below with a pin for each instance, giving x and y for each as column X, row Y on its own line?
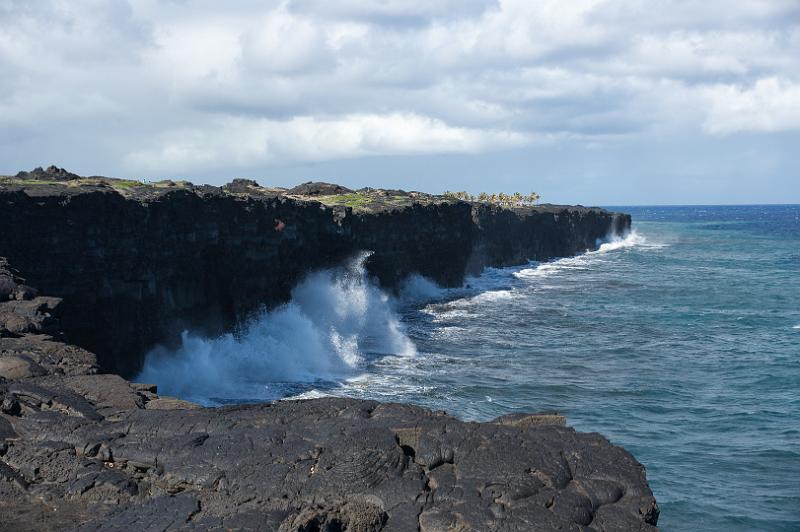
column 87, row 451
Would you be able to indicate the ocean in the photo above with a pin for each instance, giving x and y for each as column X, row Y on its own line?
column 679, row 342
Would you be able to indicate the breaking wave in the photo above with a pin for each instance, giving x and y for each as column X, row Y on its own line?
column 584, row 262
column 418, row 289
column 615, row 242
column 335, row 319
column 335, row 326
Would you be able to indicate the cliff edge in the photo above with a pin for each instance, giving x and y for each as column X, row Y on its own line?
column 107, row 266
column 137, row 263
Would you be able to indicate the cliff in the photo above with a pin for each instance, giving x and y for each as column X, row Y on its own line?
column 111, row 266
column 135, row 264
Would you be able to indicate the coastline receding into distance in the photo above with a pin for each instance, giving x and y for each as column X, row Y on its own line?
column 392, row 265
column 118, row 266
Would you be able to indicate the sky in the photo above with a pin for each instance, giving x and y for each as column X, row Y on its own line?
column 584, row 101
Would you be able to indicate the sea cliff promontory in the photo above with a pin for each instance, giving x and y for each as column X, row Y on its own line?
column 138, row 263
column 95, row 271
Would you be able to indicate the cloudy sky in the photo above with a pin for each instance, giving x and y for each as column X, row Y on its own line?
column 590, row 101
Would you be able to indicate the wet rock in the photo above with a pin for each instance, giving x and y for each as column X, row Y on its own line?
column 97, row 452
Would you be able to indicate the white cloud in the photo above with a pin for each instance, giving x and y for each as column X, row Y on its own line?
column 769, row 105
column 194, row 54
column 249, row 142
column 388, row 10
column 243, row 83
column 285, row 43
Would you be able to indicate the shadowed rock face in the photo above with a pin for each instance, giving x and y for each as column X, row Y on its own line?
column 136, row 264
column 512, row 236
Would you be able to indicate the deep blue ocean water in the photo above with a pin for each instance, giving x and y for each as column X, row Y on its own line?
column 680, row 342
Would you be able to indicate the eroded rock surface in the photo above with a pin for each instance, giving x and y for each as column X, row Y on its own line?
column 86, row 452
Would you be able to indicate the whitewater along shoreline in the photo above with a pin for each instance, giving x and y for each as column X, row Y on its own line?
column 96, row 265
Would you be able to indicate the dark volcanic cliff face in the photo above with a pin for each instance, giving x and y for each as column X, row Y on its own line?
column 136, row 272
column 508, row 237
column 137, row 268
column 431, row 240
column 81, row 450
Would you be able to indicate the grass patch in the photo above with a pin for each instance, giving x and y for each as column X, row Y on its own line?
column 15, row 181
column 355, row 200
column 121, row 184
column 373, row 201
column 124, row 183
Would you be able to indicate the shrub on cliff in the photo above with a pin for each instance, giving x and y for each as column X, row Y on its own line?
column 507, row 200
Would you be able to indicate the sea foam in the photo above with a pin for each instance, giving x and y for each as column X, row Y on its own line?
column 416, row 289
column 583, row 262
column 335, row 317
column 615, row 242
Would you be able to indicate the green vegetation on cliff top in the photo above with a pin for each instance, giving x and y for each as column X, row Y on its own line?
column 363, row 200
column 121, row 185
column 371, row 200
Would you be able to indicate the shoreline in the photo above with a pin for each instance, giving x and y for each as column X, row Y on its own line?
column 83, row 446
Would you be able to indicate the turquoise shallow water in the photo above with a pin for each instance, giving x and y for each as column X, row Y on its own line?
column 680, row 343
